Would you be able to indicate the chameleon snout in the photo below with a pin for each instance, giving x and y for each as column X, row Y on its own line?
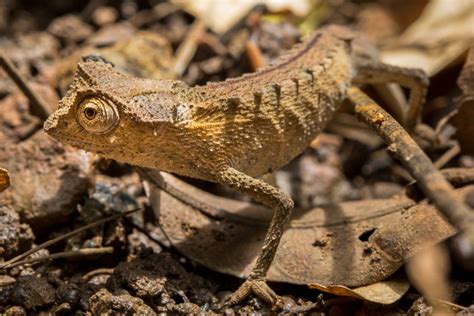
column 51, row 124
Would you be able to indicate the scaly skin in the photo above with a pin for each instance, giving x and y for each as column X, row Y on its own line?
column 228, row 132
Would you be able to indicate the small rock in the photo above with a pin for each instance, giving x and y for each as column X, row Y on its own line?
column 104, row 302
column 48, row 180
column 104, row 15
column 32, row 292
column 70, row 27
column 15, row 311
column 14, row 236
column 16, row 121
column 154, row 275
column 112, row 34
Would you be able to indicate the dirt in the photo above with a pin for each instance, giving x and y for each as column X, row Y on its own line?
column 56, row 189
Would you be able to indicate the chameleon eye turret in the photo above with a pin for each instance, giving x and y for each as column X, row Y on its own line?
column 97, row 115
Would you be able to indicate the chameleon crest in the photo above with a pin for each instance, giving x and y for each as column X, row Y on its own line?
column 167, row 125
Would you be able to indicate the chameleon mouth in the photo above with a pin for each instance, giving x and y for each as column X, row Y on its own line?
column 78, row 143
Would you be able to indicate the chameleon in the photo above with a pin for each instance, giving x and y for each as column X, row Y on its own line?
column 230, row 132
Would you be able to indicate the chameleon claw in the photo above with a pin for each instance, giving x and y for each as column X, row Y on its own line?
column 259, row 288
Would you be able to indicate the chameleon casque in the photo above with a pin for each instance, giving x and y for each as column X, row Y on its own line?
column 228, row 132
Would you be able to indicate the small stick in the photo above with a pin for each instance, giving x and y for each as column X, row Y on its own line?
column 430, row 179
column 459, row 176
column 37, row 106
column 447, row 156
column 187, row 48
column 65, row 254
column 8, row 263
column 89, row 275
column 254, row 54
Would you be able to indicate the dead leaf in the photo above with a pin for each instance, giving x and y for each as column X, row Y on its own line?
column 383, row 292
column 442, row 34
column 222, row 15
column 4, row 179
column 351, row 244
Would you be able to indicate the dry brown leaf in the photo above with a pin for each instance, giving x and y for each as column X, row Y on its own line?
column 351, row 244
column 442, row 34
column 4, row 179
column 384, row 292
column 222, row 15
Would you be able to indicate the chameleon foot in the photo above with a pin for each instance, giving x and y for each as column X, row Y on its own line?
column 257, row 287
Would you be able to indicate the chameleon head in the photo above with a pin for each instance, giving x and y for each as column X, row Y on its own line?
column 115, row 115
column 89, row 122
column 89, row 117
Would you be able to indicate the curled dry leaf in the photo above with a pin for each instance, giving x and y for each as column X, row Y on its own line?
column 441, row 35
column 384, row 292
column 351, row 244
column 4, row 179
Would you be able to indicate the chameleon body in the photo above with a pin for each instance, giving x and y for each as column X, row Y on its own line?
column 228, row 132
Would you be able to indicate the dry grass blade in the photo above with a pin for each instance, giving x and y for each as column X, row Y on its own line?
column 254, row 54
column 10, row 262
column 186, row 50
column 65, row 254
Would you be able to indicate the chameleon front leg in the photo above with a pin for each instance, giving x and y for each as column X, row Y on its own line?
column 282, row 205
column 369, row 72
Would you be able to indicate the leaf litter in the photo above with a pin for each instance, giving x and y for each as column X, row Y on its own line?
column 348, row 247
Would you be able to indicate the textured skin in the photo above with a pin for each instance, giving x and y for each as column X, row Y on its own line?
column 255, row 123
column 228, row 132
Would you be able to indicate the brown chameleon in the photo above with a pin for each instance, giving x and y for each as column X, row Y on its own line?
column 228, row 132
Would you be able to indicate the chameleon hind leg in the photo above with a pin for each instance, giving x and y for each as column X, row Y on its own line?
column 414, row 79
column 282, row 205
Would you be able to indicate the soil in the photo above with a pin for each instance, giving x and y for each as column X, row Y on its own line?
column 136, row 270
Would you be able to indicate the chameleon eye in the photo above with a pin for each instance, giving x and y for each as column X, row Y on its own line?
column 90, row 113
column 97, row 115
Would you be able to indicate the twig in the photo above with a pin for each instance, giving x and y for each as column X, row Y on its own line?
column 456, row 176
column 89, row 275
column 254, row 54
column 459, row 176
column 37, row 106
column 147, row 234
column 431, row 181
column 187, row 48
column 65, row 254
column 8, row 263
column 447, row 156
